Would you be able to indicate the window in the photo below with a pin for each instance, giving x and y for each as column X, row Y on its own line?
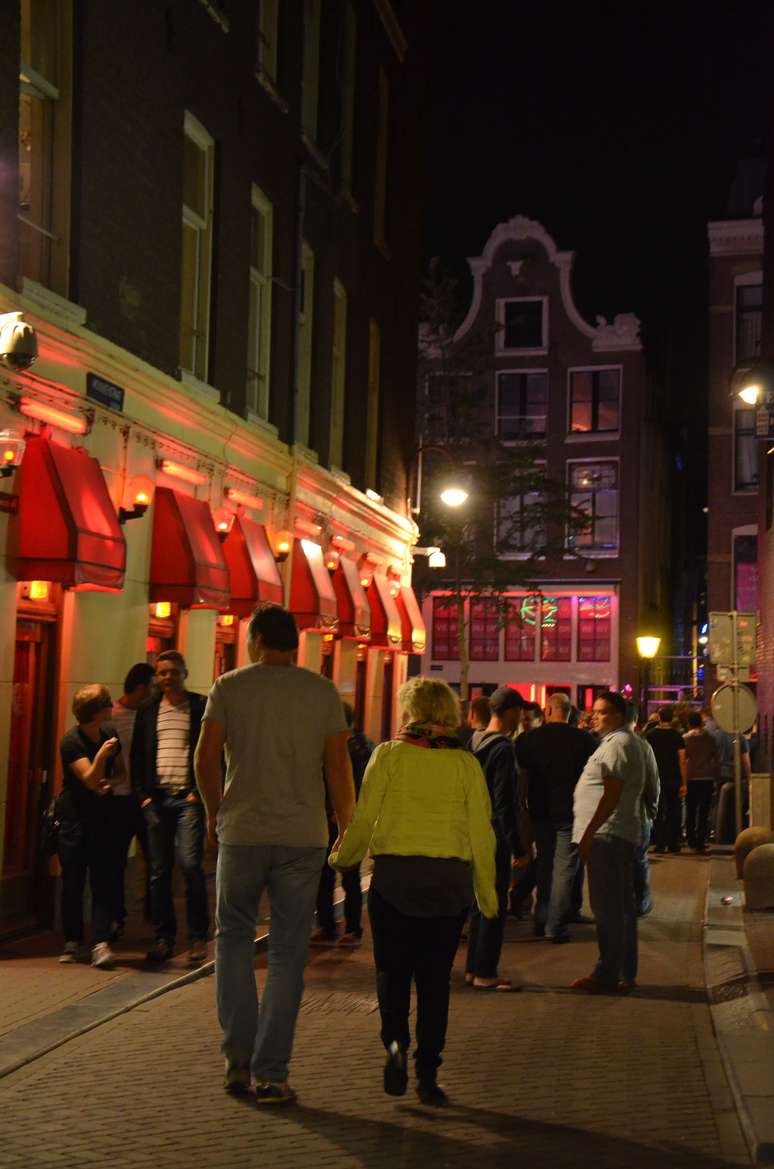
column 380, row 176
column 44, row 142
column 519, row 529
column 594, row 489
column 484, row 631
column 522, row 405
column 338, row 376
column 198, row 159
column 347, row 101
column 745, row 451
column 311, row 69
column 556, row 629
column 259, row 326
column 593, row 629
column 268, row 36
column 305, row 336
column 749, row 305
column 523, row 324
column 445, row 641
column 595, row 396
column 521, row 618
column 745, row 553
column 372, row 416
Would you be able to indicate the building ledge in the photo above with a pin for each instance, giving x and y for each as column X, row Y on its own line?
column 201, row 390
column 736, row 237
column 66, row 312
column 262, row 424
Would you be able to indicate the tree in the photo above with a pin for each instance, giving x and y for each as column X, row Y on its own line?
column 516, row 518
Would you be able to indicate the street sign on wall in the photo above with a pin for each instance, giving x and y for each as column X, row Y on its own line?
column 732, row 639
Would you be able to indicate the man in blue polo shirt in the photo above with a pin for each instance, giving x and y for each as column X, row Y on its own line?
column 607, row 830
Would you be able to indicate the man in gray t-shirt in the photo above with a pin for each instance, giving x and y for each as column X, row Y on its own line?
column 607, row 830
column 280, row 727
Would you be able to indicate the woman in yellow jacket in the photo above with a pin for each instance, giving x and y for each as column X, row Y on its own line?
column 424, row 815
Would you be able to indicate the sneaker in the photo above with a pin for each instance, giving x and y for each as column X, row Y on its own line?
column 322, row 938
column 349, row 940
column 161, row 952
column 236, row 1080
column 269, row 1092
column 431, row 1093
column 70, row 953
column 395, row 1071
column 197, row 952
column 102, row 956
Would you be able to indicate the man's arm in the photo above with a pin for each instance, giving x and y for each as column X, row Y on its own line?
column 682, row 761
column 605, row 808
column 338, row 776
column 652, row 788
column 207, row 768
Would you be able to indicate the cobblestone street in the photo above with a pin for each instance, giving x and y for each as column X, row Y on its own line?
column 543, row 1078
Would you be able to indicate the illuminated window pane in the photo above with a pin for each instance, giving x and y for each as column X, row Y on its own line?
column 484, row 631
column 445, row 642
column 594, row 629
column 556, row 629
column 521, row 619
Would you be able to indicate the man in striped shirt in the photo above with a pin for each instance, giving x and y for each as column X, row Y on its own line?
column 165, row 735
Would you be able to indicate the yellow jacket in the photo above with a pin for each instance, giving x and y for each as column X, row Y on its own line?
column 418, row 801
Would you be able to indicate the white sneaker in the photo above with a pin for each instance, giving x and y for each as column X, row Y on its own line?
column 70, row 953
column 102, row 955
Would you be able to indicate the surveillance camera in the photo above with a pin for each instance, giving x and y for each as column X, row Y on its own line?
column 18, row 342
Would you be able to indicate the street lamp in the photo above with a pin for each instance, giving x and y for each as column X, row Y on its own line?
column 454, row 495
column 647, row 647
column 754, row 384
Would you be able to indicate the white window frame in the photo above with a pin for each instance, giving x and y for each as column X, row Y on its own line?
column 305, row 343
column 310, row 76
column 500, row 346
column 593, row 553
column 736, row 407
column 744, row 281
column 338, row 380
column 193, row 129
column 372, row 406
column 516, row 440
column 592, row 435
column 259, row 343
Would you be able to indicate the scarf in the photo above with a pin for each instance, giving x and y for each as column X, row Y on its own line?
column 428, row 735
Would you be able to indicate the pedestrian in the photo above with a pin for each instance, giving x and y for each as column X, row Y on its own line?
column 91, row 764
column 669, row 749
column 551, row 759
column 702, row 768
column 166, row 732
column 643, row 897
column 282, row 727
column 424, row 815
column 128, row 816
column 360, row 750
column 478, row 717
column 531, row 718
column 607, row 829
column 493, row 748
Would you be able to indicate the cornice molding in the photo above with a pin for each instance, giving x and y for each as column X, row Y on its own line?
column 736, row 237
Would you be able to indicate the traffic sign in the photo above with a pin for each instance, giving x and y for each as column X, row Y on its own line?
column 734, row 712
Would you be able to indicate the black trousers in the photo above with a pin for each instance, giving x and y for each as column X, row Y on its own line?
column 697, row 807
column 485, row 935
column 353, row 896
column 87, row 847
column 668, row 829
column 127, row 819
column 422, row 949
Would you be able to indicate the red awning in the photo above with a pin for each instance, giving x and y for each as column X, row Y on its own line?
column 412, row 623
column 68, row 527
column 187, row 562
column 354, row 613
column 312, row 599
column 251, row 566
column 385, row 618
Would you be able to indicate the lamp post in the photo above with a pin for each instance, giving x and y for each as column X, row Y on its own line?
column 647, row 647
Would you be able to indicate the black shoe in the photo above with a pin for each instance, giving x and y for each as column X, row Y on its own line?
column 395, row 1071
column 430, row 1092
column 161, row 952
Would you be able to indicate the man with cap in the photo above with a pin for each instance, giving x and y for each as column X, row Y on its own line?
column 493, row 748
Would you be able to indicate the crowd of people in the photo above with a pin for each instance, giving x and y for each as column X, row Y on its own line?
column 511, row 813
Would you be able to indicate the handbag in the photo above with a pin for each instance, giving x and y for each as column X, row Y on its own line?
column 49, row 833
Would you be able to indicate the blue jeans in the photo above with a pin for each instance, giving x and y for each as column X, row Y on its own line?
column 176, row 831
column 611, row 890
column 485, row 935
column 559, row 877
column 642, row 896
column 262, row 1039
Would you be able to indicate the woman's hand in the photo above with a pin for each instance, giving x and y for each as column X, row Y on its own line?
column 108, row 748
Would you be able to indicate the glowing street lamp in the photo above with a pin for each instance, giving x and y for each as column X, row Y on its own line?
column 647, row 648
column 453, row 495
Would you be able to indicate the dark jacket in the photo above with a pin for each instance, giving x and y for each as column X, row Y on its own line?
column 496, row 755
column 145, row 745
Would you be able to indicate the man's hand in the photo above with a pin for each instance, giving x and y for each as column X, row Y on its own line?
column 192, row 798
column 584, row 848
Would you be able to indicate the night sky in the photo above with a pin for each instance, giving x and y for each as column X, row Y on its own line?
column 618, row 127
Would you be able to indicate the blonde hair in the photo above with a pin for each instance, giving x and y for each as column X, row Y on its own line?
column 89, row 701
column 428, row 700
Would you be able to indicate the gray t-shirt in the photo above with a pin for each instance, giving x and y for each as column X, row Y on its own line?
column 618, row 755
column 277, row 719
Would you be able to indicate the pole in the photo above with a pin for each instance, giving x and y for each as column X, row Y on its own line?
column 737, row 731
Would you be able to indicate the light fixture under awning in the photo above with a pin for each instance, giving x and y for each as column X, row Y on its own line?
column 385, row 618
column 412, row 623
column 354, row 611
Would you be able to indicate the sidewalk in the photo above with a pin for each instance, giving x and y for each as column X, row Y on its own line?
column 546, row 1078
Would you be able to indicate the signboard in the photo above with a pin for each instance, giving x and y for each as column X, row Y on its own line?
column 734, row 708
column 745, row 638
column 764, row 423
column 104, row 392
column 722, row 629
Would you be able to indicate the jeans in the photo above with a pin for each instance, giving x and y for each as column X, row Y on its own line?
column 262, row 1038
column 669, row 827
column 611, row 889
column 176, row 830
column 697, row 807
column 421, row 948
column 88, row 846
column 485, row 935
column 559, row 877
column 353, row 896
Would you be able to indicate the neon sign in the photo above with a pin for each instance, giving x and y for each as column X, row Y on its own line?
column 530, row 611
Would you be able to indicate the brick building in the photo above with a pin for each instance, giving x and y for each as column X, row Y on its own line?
column 209, row 214
column 582, row 392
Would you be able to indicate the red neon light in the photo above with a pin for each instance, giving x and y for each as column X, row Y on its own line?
column 73, row 423
column 181, row 471
column 244, row 497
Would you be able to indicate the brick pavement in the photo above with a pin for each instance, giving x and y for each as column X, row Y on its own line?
column 544, row 1078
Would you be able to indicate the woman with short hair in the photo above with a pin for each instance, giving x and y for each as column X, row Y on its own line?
column 424, row 814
